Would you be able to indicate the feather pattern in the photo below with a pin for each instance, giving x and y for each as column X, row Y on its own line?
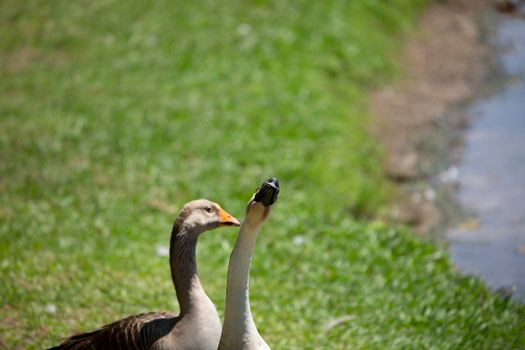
column 138, row 332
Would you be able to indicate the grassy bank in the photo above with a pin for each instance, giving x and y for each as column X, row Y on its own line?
column 113, row 114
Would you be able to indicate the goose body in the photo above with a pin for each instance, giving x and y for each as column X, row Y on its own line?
column 239, row 331
column 198, row 326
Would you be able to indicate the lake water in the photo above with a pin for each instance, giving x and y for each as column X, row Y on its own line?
column 492, row 174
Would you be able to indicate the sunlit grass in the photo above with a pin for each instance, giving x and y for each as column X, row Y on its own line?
column 111, row 110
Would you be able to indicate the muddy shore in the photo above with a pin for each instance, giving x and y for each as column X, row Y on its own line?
column 452, row 132
column 419, row 119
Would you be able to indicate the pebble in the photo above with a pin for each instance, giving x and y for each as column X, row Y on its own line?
column 298, row 240
column 51, row 308
column 162, row 250
column 449, row 175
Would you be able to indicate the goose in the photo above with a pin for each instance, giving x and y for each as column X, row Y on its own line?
column 198, row 326
column 239, row 331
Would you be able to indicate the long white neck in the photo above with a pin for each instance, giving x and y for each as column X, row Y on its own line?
column 238, row 327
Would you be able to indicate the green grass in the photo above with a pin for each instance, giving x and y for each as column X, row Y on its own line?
column 107, row 107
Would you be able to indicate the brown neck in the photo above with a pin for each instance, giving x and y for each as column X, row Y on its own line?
column 184, row 266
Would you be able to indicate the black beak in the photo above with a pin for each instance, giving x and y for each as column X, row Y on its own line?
column 267, row 193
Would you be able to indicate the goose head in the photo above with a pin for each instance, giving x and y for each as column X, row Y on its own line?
column 203, row 215
column 262, row 202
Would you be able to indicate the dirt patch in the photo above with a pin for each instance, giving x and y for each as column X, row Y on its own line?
column 25, row 57
column 417, row 119
column 9, row 320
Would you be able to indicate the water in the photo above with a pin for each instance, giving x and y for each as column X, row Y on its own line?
column 492, row 175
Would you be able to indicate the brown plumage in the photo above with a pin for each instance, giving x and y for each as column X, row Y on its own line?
column 133, row 332
column 198, row 325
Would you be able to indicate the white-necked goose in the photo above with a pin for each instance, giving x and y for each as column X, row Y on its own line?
column 239, row 331
column 198, row 325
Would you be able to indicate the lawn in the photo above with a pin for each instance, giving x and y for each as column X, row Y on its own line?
column 114, row 114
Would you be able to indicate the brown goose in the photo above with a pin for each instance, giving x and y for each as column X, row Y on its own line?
column 198, row 325
column 239, row 331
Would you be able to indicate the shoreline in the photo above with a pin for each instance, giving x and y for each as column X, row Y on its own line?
column 430, row 160
column 420, row 120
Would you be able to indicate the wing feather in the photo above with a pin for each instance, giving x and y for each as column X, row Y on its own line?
column 136, row 332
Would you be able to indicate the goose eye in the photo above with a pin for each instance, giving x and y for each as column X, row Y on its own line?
column 208, row 209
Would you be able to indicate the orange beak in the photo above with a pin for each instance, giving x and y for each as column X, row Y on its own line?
column 225, row 219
